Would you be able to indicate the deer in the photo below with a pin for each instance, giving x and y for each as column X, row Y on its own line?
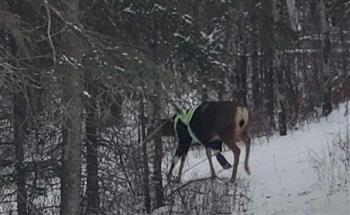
column 211, row 124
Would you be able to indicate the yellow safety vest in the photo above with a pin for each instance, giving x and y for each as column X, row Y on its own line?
column 185, row 118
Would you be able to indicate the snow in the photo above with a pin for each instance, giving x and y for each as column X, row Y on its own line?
column 161, row 211
column 187, row 18
column 119, row 68
column 129, row 10
column 283, row 180
column 86, row 93
column 158, row 7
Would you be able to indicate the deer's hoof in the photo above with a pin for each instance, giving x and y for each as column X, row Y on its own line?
column 247, row 169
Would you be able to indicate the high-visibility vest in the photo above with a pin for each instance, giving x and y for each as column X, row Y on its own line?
column 186, row 117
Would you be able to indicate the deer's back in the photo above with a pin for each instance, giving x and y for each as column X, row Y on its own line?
column 212, row 117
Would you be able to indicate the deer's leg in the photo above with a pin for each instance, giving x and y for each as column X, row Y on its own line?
column 184, row 139
column 236, row 152
column 228, row 137
column 247, row 141
column 208, row 153
column 183, row 157
column 216, row 146
column 173, row 163
column 181, row 167
column 180, row 153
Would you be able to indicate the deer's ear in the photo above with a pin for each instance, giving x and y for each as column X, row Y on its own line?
column 167, row 129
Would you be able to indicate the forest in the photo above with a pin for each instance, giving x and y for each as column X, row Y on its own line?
column 85, row 85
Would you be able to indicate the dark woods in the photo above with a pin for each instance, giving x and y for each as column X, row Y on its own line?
column 83, row 84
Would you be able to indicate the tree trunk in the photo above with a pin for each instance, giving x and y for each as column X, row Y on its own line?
column 282, row 115
column 71, row 159
column 282, row 120
column 326, row 49
column 255, row 77
column 156, row 110
column 292, row 14
column 71, row 75
column 158, row 152
column 92, row 188
column 20, row 109
column 243, row 78
column 146, row 188
column 14, row 45
column 256, row 94
column 267, row 48
column 279, row 72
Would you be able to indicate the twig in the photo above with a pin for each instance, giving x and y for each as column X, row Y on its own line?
column 49, row 31
column 30, row 204
column 154, row 132
column 186, row 184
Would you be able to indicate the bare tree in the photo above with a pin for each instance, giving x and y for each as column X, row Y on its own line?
column 19, row 111
column 158, row 149
column 91, row 129
column 267, row 50
column 277, row 56
column 74, row 48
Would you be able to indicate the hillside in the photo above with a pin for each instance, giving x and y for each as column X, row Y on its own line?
column 300, row 173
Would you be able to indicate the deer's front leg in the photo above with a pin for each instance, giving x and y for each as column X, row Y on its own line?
column 181, row 167
column 236, row 152
column 212, row 171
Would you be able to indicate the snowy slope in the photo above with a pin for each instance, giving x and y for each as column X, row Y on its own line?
column 283, row 180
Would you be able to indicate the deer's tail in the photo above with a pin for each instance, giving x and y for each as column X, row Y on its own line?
column 241, row 118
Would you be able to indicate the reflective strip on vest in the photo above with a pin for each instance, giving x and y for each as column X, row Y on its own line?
column 186, row 118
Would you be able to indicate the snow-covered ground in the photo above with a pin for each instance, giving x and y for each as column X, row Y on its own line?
column 283, row 180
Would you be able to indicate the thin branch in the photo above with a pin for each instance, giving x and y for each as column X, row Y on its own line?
column 31, row 205
column 186, row 184
column 49, row 31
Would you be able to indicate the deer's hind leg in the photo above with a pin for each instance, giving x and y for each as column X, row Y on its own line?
column 247, row 143
column 227, row 137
